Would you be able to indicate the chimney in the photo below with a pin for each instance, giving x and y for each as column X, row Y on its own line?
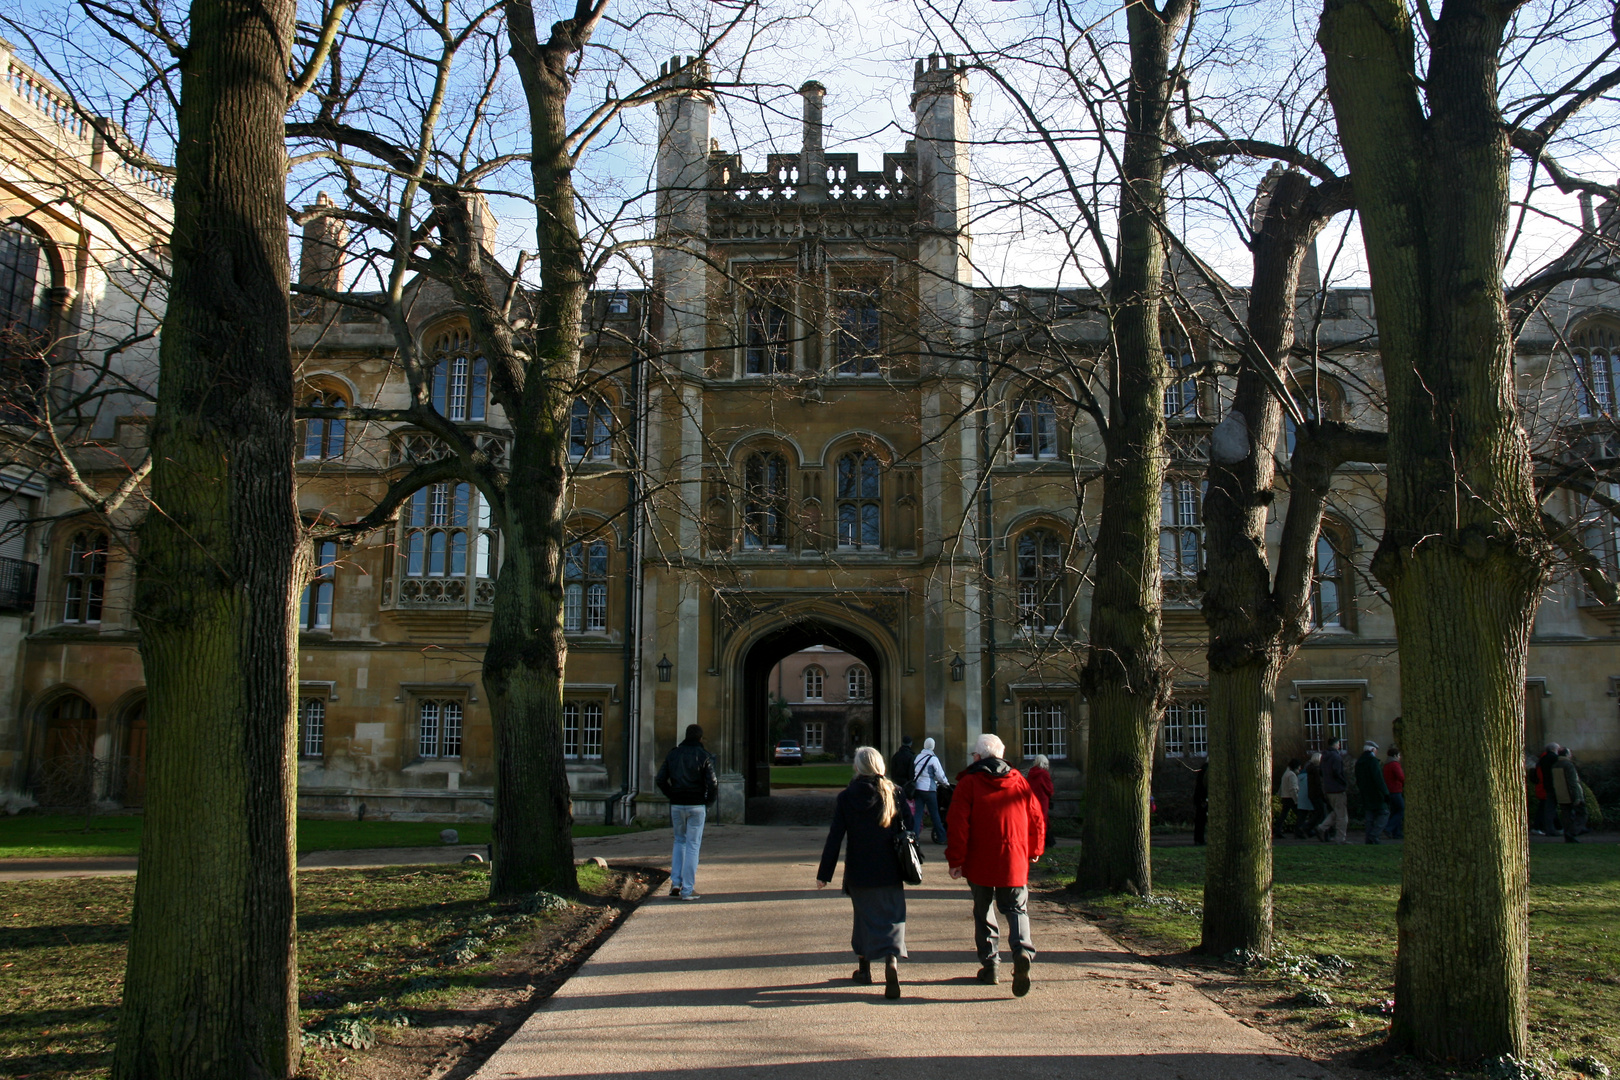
column 320, row 260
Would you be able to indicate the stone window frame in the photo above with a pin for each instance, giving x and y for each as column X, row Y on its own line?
column 413, row 695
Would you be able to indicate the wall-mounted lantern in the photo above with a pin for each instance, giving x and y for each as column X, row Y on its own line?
column 664, row 668
column 958, row 669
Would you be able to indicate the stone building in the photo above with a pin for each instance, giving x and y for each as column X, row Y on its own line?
column 813, row 432
column 829, row 698
column 83, row 220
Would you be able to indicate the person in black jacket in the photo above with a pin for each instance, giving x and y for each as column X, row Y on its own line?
column 868, row 815
column 688, row 779
column 902, row 766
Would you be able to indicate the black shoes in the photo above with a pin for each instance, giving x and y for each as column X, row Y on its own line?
column 863, row 974
column 891, row 979
column 989, row 974
column 1020, row 976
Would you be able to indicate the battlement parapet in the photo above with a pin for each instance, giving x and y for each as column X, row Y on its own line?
column 693, row 72
column 939, row 75
column 783, row 181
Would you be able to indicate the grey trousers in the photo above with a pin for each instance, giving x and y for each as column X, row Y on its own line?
column 1013, row 902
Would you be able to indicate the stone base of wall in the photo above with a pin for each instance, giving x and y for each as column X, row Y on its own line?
column 393, row 805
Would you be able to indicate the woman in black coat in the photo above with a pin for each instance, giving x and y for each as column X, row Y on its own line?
column 867, row 814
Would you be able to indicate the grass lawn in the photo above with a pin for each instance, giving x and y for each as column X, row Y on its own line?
column 825, row 775
column 373, row 945
column 1341, row 900
column 40, row 836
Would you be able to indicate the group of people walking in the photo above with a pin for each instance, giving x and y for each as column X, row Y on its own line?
column 994, row 830
column 1315, row 795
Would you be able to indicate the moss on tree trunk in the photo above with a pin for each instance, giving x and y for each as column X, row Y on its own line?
column 210, row 988
column 1125, row 678
column 1462, row 553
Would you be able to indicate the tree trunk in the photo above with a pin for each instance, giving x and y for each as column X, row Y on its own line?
column 523, row 676
column 209, row 988
column 1253, row 633
column 523, row 665
column 1461, row 552
column 1237, row 861
column 1125, row 677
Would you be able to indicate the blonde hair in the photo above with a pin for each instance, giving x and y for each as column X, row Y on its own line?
column 868, row 762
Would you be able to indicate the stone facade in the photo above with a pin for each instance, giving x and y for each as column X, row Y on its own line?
column 812, row 431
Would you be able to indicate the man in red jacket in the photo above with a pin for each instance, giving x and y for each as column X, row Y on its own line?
column 996, row 829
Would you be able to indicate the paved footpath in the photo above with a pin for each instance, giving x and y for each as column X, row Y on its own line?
column 753, row 981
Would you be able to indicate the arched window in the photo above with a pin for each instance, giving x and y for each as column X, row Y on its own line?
column 446, row 539
column 814, row 678
column 585, row 591
column 768, row 348
column 1181, row 397
column 1035, row 429
column 860, row 685
column 860, row 501
column 590, row 431
column 85, row 577
column 24, row 283
column 1040, row 569
column 1330, row 588
column 460, row 378
column 1181, row 537
column 1597, row 363
column 765, row 501
column 324, row 438
column 315, row 609
column 860, row 330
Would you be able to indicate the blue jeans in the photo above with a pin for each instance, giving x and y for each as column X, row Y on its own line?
column 688, row 823
column 1397, row 815
column 928, row 806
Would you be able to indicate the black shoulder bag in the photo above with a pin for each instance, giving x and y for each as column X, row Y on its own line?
column 909, row 856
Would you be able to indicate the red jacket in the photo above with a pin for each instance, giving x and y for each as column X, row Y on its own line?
column 995, row 826
column 1040, row 782
column 1394, row 777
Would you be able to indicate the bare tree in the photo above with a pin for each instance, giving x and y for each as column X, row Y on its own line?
column 1464, row 552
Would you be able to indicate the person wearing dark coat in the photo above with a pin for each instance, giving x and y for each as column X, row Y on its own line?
column 1571, row 795
column 1373, row 791
column 1546, row 765
column 1200, row 802
column 902, row 766
column 1040, row 782
column 867, row 816
column 687, row 778
column 996, row 830
column 1335, row 785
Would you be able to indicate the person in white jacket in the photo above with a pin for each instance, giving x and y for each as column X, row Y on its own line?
column 929, row 775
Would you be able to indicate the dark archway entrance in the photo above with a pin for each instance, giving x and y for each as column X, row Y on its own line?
column 764, row 655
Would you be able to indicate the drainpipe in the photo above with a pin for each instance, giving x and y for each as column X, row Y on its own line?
column 987, row 555
column 625, row 797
